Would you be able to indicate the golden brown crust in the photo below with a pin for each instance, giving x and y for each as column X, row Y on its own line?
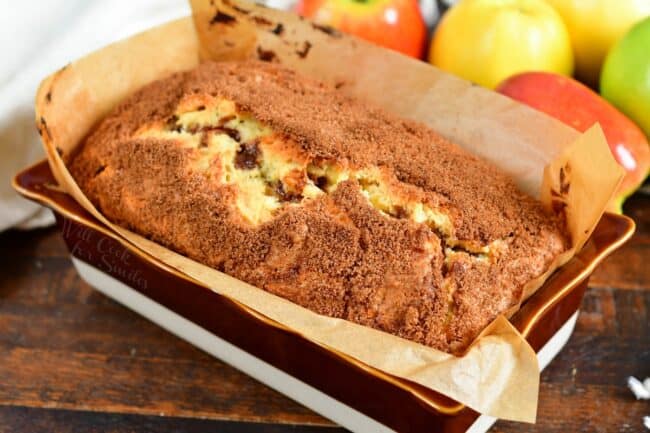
column 334, row 253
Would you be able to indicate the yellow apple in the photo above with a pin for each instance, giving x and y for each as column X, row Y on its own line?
column 595, row 26
column 487, row 41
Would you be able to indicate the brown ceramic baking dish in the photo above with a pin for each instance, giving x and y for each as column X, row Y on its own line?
column 363, row 392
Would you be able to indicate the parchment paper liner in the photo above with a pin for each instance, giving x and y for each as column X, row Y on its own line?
column 498, row 375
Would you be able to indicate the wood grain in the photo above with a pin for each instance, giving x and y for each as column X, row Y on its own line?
column 73, row 360
column 144, row 385
column 629, row 267
column 65, row 345
column 25, row 419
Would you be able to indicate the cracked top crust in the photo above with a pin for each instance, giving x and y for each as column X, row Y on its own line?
column 327, row 201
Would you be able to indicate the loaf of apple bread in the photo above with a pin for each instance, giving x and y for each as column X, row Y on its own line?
column 324, row 200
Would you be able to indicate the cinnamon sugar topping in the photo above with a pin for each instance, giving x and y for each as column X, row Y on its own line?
column 334, row 204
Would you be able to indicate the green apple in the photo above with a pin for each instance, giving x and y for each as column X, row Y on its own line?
column 625, row 79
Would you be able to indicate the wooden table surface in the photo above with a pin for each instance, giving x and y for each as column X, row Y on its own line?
column 72, row 360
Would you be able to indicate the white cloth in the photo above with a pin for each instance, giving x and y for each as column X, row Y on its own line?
column 36, row 39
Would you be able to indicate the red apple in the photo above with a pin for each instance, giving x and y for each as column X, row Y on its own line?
column 394, row 24
column 580, row 107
